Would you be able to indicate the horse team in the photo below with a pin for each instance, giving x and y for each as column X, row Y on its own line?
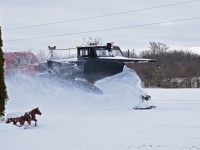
column 27, row 117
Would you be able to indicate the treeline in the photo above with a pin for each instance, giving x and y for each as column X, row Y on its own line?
column 174, row 68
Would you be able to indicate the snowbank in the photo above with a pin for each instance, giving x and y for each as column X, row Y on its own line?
column 124, row 89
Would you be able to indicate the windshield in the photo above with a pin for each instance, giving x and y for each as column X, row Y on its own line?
column 103, row 52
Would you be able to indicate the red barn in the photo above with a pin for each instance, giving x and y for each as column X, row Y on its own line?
column 24, row 62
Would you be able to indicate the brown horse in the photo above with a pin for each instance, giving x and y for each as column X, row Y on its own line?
column 33, row 114
column 27, row 117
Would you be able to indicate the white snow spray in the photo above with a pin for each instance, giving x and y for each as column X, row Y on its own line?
column 121, row 91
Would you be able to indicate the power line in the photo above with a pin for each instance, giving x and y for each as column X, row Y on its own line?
column 109, row 29
column 105, row 15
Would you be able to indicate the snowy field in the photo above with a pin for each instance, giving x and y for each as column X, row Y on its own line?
column 73, row 119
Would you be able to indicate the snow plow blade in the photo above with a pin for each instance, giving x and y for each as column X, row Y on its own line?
column 91, row 70
column 96, row 69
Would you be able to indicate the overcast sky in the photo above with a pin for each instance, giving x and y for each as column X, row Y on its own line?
column 22, row 13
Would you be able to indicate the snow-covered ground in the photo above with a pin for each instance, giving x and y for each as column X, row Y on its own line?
column 73, row 119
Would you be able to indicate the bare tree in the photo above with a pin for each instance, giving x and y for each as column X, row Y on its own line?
column 41, row 55
column 93, row 41
column 173, row 69
column 130, row 53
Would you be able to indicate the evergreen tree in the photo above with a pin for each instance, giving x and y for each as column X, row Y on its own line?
column 3, row 91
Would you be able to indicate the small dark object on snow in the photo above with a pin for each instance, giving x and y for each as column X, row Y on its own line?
column 149, row 107
column 146, row 97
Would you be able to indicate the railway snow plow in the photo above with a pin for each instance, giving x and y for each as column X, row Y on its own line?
column 94, row 63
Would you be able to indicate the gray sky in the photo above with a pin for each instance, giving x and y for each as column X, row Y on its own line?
column 19, row 13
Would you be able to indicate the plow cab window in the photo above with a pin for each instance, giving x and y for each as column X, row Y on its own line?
column 84, row 53
column 103, row 52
